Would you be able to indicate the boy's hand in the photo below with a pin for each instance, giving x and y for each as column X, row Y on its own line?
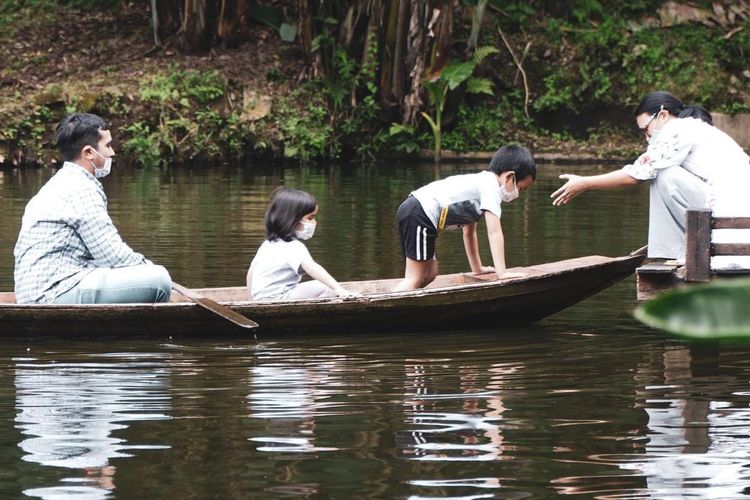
column 485, row 270
column 343, row 292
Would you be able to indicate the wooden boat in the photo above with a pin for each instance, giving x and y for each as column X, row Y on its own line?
column 452, row 301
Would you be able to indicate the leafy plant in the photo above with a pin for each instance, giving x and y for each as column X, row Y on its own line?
column 713, row 311
column 453, row 75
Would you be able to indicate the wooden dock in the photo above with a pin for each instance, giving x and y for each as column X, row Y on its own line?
column 658, row 276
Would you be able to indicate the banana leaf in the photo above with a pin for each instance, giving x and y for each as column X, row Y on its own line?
column 719, row 310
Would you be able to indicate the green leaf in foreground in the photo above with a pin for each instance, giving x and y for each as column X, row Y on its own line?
column 714, row 311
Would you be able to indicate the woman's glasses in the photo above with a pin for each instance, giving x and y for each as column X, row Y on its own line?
column 644, row 128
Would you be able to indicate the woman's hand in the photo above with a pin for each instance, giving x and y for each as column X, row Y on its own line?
column 574, row 186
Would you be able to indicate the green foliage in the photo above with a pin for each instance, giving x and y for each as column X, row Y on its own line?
column 517, row 12
column 607, row 63
column 179, row 85
column 714, row 311
column 453, row 75
column 183, row 127
column 308, row 136
column 402, row 138
column 146, row 145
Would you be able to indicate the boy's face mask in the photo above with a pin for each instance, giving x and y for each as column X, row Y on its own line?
column 509, row 195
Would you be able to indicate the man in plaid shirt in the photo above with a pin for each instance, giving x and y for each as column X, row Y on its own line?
column 68, row 250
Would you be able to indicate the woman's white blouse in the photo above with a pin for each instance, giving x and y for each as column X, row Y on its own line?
column 707, row 153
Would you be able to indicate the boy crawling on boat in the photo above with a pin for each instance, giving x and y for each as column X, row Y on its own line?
column 457, row 202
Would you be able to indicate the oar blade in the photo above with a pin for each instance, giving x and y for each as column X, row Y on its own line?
column 213, row 306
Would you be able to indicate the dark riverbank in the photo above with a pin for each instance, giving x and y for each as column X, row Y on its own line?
column 253, row 99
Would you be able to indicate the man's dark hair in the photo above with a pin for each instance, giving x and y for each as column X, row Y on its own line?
column 513, row 158
column 76, row 131
column 286, row 209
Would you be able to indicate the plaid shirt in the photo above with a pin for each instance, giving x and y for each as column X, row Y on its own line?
column 65, row 234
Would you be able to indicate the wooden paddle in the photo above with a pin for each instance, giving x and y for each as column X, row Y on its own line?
column 215, row 307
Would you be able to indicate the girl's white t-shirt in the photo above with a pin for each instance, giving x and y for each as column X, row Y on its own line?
column 277, row 268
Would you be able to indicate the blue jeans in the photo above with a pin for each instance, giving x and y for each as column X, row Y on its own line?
column 145, row 283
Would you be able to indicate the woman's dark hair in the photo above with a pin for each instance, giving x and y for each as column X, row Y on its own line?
column 654, row 101
column 513, row 158
column 76, row 131
column 696, row 111
column 286, row 209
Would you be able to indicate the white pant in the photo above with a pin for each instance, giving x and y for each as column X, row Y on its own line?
column 672, row 194
column 309, row 290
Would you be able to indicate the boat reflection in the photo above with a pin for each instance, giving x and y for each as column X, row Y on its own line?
column 70, row 416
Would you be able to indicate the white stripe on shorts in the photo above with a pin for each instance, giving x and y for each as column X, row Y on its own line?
column 418, row 245
column 421, row 243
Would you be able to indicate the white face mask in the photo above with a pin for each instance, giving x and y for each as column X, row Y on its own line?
column 308, row 229
column 508, row 196
column 104, row 171
column 654, row 135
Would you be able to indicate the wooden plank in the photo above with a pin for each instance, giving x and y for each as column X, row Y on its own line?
column 653, row 268
column 730, row 249
column 731, row 223
column 698, row 246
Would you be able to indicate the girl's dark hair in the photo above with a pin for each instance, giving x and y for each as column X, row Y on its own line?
column 76, row 131
column 286, row 209
column 514, row 158
column 654, row 101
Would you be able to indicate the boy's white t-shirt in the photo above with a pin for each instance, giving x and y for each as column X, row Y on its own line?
column 464, row 196
column 276, row 268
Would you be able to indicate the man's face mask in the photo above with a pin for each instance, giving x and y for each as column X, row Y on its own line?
column 106, row 168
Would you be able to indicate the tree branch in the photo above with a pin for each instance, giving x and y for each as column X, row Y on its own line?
column 520, row 68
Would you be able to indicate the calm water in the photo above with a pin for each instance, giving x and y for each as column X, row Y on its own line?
column 587, row 402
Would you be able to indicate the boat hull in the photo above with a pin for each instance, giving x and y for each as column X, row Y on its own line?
column 458, row 301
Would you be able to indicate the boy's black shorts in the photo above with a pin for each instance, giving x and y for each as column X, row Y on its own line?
column 416, row 230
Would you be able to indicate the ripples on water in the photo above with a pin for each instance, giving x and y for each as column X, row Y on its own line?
column 585, row 403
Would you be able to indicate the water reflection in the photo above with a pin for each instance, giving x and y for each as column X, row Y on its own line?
column 695, row 445
column 291, row 397
column 70, row 416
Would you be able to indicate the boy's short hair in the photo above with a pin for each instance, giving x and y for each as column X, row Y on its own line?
column 513, row 158
column 286, row 209
column 76, row 131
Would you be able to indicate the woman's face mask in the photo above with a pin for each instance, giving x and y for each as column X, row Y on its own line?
column 654, row 134
column 509, row 195
column 307, row 231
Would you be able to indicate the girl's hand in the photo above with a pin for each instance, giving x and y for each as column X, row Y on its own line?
column 574, row 186
column 485, row 270
column 343, row 292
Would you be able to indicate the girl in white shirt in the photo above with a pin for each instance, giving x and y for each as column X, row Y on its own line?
column 690, row 165
column 276, row 270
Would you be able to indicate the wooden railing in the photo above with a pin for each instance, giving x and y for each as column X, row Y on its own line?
column 699, row 248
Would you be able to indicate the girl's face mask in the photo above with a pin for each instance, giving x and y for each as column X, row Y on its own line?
column 509, row 195
column 307, row 231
